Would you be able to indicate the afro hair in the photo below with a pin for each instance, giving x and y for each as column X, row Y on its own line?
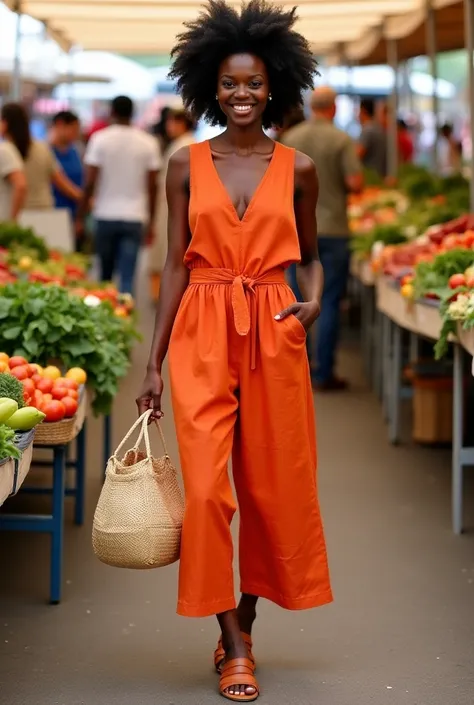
column 262, row 29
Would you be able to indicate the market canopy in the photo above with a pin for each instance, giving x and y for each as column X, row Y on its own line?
column 409, row 31
column 151, row 26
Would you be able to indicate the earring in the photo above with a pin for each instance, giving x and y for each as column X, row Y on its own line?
column 217, row 97
column 270, row 97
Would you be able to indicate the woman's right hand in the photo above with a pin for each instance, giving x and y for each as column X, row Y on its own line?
column 150, row 395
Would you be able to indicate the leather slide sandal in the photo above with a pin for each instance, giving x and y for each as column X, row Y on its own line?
column 239, row 671
column 219, row 653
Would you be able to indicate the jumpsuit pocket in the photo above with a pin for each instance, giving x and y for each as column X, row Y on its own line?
column 297, row 327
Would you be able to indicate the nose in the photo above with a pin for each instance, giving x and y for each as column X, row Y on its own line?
column 242, row 91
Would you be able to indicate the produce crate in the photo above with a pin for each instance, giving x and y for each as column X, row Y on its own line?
column 59, row 433
column 13, row 472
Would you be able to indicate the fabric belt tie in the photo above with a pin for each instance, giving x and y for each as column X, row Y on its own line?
column 243, row 292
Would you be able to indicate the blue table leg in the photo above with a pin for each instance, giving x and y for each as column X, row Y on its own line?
column 57, row 529
column 80, row 477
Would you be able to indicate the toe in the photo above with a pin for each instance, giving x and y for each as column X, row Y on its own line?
column 250, row 690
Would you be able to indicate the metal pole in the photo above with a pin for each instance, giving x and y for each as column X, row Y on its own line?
column 431, row 54
column 469, row 41
column 392, row 135
column 16, row 75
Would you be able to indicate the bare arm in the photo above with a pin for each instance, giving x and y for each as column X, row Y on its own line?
column 310, row 272
column 174, row 281
column 17, row 181
column 152, row 194
column 92, row 173
column 66, row 186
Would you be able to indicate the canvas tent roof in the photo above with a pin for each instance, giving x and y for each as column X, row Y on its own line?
column 151, row 26
column 409, row 30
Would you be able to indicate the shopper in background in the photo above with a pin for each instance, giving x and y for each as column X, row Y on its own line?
column 372, row 147
column 339, row 172
column 65, row 134
column 450, row 151
column 160, row 130
column 406, row 148
column 122, row 165
column 42, row 171
column 180, row 128
column 12, row 176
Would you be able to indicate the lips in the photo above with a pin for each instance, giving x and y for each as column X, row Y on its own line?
column 242, row 108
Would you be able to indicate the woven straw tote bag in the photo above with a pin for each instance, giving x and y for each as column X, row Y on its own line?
column 138, row 519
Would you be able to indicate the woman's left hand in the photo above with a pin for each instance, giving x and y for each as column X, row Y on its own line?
column 306, row 312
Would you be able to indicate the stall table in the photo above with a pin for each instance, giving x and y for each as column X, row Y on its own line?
column 422, row 319
column 53, row 523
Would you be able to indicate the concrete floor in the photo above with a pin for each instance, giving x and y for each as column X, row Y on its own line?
column 400, row 632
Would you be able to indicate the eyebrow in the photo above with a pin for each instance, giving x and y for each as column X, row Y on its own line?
column 227, row 75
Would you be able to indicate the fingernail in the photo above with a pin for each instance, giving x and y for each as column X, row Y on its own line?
column 277, row 317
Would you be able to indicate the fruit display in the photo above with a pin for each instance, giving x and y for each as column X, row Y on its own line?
column 373, row 207
column 44, row 323
column 47, row 394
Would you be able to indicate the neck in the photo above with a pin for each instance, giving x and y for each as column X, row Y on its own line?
column 60, row 144
column 321, row 115
column 122, row 121
column 245, row 138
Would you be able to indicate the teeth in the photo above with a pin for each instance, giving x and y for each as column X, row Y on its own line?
column 242, row 108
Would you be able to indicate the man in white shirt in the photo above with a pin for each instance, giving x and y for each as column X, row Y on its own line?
column 122, row 165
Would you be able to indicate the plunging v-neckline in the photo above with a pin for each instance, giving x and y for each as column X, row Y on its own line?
column 256, row 193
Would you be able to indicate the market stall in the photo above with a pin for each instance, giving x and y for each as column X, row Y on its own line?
column 65, row 340
column 424, row 286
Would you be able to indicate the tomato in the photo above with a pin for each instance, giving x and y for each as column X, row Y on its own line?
column 68, row 383
column 37, row 378
column 73, row 393
column 45, row 385
column 54, row 410
column 59, row 392
column 70, row 406
column 29, row 386
column 457, row 280
column 35, row 369
column 21, row 372
column 17, row 361
column 47, row 398
column 38, row 399
column 470, row 282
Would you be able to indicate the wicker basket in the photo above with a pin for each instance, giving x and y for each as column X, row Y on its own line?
column 138, row 519
column 13, row 473
column 59, row 433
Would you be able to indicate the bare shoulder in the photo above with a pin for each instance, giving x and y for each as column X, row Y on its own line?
column 181, row 158
column 304, row 165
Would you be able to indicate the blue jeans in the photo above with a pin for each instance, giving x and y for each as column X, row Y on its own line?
column 334, row 254
column 117, row 244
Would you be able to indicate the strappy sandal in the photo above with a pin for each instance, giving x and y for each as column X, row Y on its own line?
column 239, row 671
column 219, row 653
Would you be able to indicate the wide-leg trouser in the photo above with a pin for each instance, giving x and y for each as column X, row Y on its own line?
column 264, row 417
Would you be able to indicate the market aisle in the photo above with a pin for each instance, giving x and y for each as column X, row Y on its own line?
column 400, row 632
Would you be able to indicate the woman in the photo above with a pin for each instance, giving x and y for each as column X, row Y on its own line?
column 12, row 182
column 39, row 164
column 180, row 127
column 241, row 209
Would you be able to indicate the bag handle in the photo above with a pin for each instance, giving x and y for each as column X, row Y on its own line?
column 144, row 421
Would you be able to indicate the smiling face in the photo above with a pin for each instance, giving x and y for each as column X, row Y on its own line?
column 243, row 89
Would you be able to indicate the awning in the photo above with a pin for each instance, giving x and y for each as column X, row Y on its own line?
column 409, row 31
column 151, row 26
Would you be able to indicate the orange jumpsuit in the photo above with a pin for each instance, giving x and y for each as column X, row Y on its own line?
column 240, row 384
